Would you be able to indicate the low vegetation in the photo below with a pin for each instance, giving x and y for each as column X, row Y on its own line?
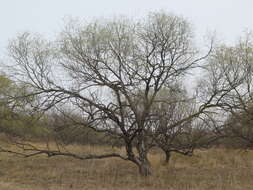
column 219, row 169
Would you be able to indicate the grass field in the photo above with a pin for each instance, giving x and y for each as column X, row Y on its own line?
column 214, row 169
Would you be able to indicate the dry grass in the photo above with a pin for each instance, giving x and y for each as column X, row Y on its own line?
column 213, row 169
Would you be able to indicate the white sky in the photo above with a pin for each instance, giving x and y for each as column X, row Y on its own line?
column 228, row 17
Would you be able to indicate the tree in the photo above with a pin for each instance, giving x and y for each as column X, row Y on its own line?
column 5, row 111
column 238, row 129
column 180, row 125
column 230, row 76
column 12, row 121
column 91, row 64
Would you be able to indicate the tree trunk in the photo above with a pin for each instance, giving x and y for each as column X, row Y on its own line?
column 142, row 159
column 143, row 163
column 167, row 157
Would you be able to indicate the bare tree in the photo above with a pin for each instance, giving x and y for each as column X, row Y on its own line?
column 230, row 76
column 91, row 64
column 179, row 124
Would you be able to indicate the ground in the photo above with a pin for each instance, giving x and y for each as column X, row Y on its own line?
column 214, row 169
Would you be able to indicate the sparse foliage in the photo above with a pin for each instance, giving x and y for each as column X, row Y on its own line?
column 110, row 74
column 230, row 77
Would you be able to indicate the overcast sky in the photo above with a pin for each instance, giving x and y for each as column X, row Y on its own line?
column 228, row 17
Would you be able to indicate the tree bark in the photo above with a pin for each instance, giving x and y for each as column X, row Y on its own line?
column 145, row 168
